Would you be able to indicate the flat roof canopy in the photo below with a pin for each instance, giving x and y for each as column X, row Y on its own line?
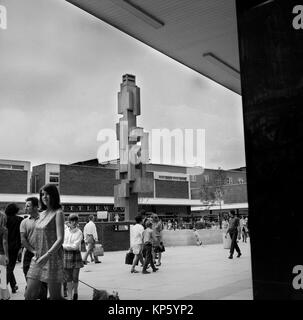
column 201, row 34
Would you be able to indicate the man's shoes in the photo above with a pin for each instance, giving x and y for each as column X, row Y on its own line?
column 156, row 269
column 230, row 257
column 97, row 261
column 14, row 289
column 145, row 272
column 158, row 264
column 134, row 271
column 239, row 255
column 75, row 297
column 84, row 262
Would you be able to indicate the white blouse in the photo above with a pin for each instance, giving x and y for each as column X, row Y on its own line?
column 72, row 239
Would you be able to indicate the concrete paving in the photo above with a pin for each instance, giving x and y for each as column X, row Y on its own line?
column 186, row 273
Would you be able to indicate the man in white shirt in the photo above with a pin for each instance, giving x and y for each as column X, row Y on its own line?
column 27, row 235
column 90, row 237
column 136, row 242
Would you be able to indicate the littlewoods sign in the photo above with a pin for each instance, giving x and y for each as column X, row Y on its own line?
column 3, row 18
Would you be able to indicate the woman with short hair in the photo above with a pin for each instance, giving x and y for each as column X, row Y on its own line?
column 47, row 264
column 72, row 256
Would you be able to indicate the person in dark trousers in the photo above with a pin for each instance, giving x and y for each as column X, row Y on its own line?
column 233, row 232
column 147, row 247
column 14, row 242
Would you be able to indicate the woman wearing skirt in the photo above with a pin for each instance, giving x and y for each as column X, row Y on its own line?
column 72, row 256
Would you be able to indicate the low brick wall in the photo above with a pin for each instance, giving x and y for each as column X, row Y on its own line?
column 186, row 237
column 114, row 236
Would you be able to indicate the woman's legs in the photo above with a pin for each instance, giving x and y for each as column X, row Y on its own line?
column 75, row 282
column 32, row 289
column 91, row 257
column 70, row 286
column 55, row 291
column 68, row 277
column 159, row 258
column 135, row 261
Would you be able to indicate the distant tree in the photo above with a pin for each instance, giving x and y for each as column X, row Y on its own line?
column 219, row 182
column 213, row 191
column 207, row 193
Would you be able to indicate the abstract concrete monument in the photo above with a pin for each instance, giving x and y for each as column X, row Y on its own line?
column 133, row 156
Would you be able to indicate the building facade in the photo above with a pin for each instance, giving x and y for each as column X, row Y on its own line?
column 87, row 187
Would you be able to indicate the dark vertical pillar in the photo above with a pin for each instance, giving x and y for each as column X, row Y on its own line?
column 131, row 211
column 271, row 62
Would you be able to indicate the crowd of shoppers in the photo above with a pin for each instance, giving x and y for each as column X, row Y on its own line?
column 146, row 243
column 52, row 247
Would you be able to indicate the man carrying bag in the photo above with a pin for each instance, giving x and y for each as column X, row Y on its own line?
column 90, row 238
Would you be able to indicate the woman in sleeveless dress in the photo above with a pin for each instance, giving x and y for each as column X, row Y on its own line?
column 47, row 264
column 226, row 238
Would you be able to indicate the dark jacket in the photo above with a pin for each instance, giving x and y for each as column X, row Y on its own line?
column 233, row 225
column 13, row 237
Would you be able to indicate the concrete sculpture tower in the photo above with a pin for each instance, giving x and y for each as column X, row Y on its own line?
column 133, row 150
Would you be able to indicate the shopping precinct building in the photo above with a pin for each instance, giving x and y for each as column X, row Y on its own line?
column 87, row 187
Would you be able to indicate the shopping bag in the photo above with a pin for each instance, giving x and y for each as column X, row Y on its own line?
column 98, row 250
column 129, row 257
column 3, row 284
column 161, row 247
column 227, row 241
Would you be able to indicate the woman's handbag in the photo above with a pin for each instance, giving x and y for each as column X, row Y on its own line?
column 98, row 250
column 161, row 247
column 227, row 241
column 129, row 257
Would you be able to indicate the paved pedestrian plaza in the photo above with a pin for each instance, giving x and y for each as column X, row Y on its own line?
column 186, row 273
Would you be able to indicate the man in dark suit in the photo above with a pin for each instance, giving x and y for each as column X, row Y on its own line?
column 233, row 232
column 14, row 242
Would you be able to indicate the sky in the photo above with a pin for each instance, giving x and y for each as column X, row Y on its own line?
column 61, row 69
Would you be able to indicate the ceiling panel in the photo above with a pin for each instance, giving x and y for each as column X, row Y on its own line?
column 183, row 30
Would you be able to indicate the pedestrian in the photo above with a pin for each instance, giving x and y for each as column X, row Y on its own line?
column 233, row 232
column 226, row 238
column 27, row 228
column 148, row 236
column 14, row 242
column 47, row 264
column 146, row 217
column 90, row 238
column 64, row 284
column 244, row 230
column 72, row 256
column 197, row 236
column 136, row 242
column 169, row 225
column 157, row 229
column 4, row 257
